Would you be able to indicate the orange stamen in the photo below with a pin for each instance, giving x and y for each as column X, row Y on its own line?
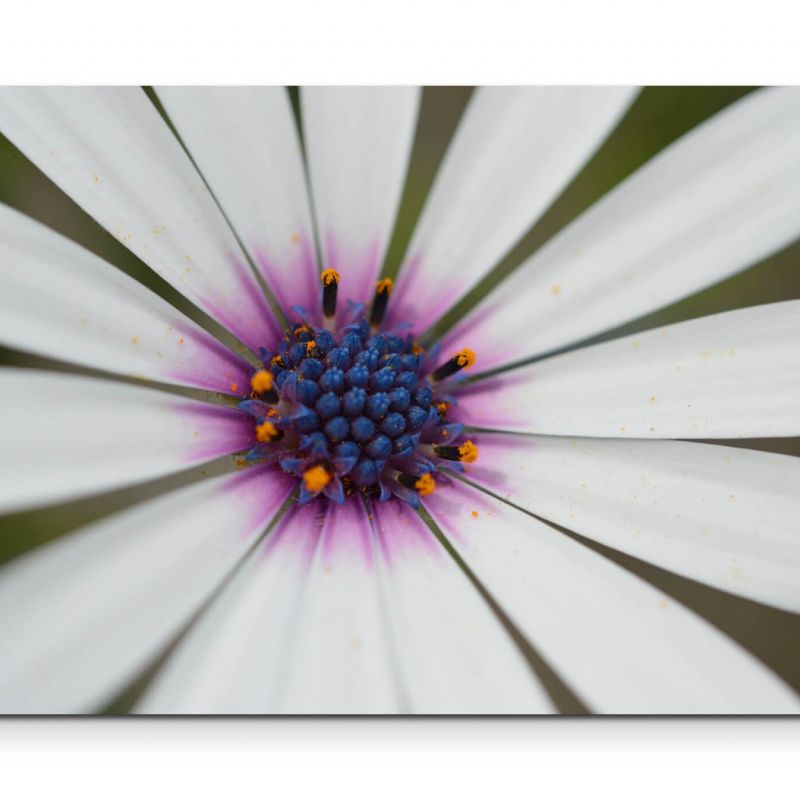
column 329, row 276
column 425, row 485
column 266, row 432
column 468, row 452
column 384, row 285
column 316, row 478
column 465, row 358
column 261, row 381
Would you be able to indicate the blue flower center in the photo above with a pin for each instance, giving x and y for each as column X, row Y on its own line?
column 358, row 410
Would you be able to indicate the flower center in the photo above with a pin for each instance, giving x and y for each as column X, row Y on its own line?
column 355, row 408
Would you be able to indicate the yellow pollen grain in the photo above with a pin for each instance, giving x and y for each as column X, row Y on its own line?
column 296, row 237
column 384, row 285
column 316, row 478
column 234, row 387
column 555, row 290
column 442, row 407
column 329, row 276
column 425, row 485
column 277, row 360
column 273, row 412
column 468, row 452
column 310, row 346
column 465, row 358
column 266, row 432
column 473, row 514
column 301, row 328
column 261, row 381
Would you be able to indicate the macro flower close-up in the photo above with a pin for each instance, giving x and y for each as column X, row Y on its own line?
column 387, row 470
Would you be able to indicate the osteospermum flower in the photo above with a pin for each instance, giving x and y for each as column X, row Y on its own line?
column 388, row 543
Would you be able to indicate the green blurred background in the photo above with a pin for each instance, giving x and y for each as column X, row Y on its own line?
column 658, row 116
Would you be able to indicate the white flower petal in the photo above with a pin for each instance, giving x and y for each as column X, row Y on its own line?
column 454, row 656
column 244, row 141
column 333, row 618
column 716, row 201
column 619, row 644
column 358, row 143
column 66, row 436
column 512, row 155
column 79, row 618
column 729, row 375
column 110, row 151
column 61, row 301
column 722, row 515
column 299, row 630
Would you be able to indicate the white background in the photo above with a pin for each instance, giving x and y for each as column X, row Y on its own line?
column 416, row 41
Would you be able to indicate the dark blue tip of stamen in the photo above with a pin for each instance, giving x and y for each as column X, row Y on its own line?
column 377, row 406
column 368, row 358
column 353, row 402
column 382, row 380
column 297, row 352
column 325, row 341
column 312, row 369
column 406, row 379
column 423, row 397
column 399, row 399
column 416, row 417
column 404, row 446
column 362, row 429
column 328, row 405
column 365, row 473
column 393, row 424
column 410, row 362
column 345, row 456
column 357, row 375
column 306, row 420
column 379, row 447
column 332, row 380
column 337, row 429
column 307, row 392
column 315, row 445
column 351, row 342
column 338, row 357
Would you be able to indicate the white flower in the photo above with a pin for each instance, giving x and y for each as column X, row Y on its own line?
column 359, row 604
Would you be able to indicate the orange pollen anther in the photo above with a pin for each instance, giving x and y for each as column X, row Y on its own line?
column 468, row 452
column 278, row 360
column 329, row 276
column 384, row 285
column 465, row 357
column 261, row 381
column 301, row 328
column 425, row 485
column 266, row 432
column 310, row 346
column 442, row 407
column 417, row 349
column 316, row 478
